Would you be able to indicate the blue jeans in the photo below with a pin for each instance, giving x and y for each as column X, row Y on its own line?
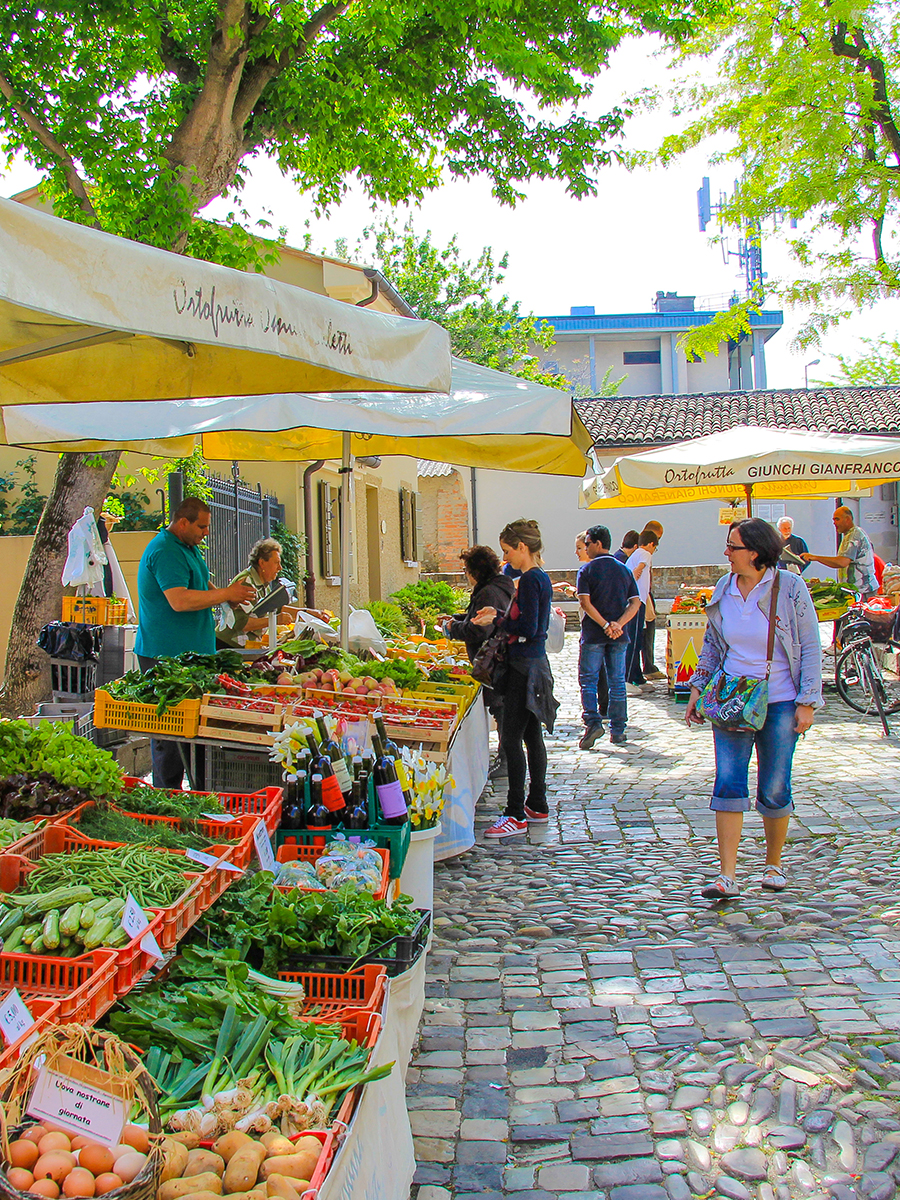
column 775, row 744
column 592, row 656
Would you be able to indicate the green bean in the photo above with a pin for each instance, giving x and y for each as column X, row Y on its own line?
column 154, row 877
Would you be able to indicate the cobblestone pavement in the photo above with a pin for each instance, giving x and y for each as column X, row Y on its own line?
column 595, row 1031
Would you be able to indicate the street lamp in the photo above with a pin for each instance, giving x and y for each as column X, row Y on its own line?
column 815, row 362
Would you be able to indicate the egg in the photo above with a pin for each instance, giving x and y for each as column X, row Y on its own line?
column 35, row 1133
column 128, row 1166
column 23, row 1153
column 55, row 1165
column 79, row 1142
column 45, row 1187
column 54, row 1141
column 96, row 1159
column 20, row 1179
column 137, row 1136
column 107, row 1182
column 79, row 1182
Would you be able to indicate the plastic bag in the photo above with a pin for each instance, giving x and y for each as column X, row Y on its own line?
column 71, row 641
column 306, row 620
column 86, row 558
column 556, row 631
column 363, row 633
column 890, row 581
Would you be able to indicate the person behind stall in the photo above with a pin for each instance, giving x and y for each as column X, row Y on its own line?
column 855, row 559
column 528, row 685
column 263, row 574
column 175, row 604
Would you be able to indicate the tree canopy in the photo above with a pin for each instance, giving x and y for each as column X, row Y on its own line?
column 458, row 293
column 877, row 366
column 802, row 97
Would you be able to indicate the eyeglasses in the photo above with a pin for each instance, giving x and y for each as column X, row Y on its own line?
column 734, row 546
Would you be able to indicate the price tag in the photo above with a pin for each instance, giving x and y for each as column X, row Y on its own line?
column 77, row 1100
column 208, row 861
column 134, row 921
column 218, row 817
column 15, row 1018
column 264, row 851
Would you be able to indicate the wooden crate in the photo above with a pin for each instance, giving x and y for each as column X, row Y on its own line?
column 221, row 723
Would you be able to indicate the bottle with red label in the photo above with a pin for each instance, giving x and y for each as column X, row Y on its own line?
column 332, row 796
column 388, row 788
column 339, row 764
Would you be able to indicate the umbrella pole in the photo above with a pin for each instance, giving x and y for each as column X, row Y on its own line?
column 346, row 488
column 748, row 492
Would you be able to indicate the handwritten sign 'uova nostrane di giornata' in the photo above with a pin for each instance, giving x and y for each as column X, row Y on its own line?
column 72, row 1096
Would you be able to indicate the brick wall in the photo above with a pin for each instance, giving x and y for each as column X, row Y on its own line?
column 445, row 521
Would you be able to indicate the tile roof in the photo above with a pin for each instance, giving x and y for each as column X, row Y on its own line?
column 626, row 421
column 431, row 470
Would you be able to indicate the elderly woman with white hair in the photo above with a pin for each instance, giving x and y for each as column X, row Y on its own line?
column 262, row 573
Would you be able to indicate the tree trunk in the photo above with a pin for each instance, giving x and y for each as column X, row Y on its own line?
column 80, row 482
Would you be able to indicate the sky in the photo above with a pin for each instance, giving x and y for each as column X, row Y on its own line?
column 614, row 251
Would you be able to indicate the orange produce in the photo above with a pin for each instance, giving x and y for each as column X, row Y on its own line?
column 45, row 1187
column 35, row 1133
column 137, row 1136
column 96, row 1159
column 108, row 1182
column 20, row 1179
column 54, row 1141
column 55, row 1165
column 23, row 1153
column 79, row 1182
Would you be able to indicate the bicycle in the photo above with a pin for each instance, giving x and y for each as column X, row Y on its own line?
column 860, row 676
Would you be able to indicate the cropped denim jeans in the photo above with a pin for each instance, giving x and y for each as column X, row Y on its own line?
column 775, row 744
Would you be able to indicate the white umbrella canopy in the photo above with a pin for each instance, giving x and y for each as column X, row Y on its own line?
column 87, row 316
column 487, row 419
column 748, row 459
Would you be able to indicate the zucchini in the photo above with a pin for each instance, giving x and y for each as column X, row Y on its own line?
column 30, row 933
column 13, row 920
column 88, row 912
column 111, row 908
column 50, row 929
column 100, row 930
column 118, row 937
column 71, row 919
column 60, row 897
column 37, row 946
column 14, row 944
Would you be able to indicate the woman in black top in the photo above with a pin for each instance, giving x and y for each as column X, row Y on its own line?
column 528, row 687
column 490, row 589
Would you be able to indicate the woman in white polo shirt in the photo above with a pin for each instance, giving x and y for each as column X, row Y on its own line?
column 736, row 640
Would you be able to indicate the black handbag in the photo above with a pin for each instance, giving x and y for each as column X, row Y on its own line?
column 489, row 663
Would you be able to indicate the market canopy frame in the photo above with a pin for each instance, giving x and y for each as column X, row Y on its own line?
column 752, row 461
column 86, row 316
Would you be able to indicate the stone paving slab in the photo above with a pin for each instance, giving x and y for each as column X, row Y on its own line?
column 592, row 1029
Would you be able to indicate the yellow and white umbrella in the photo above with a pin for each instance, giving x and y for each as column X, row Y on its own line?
column 86, row 316
column 748, row 460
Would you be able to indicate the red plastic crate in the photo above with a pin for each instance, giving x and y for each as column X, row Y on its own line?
column 291, row 852
column 265, row 803
column 45, row 1012
column 340, row 995
column 202, row 887
column 84, row 987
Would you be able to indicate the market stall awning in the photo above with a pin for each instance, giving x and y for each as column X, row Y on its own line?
column 770, row 462
column 86, row 316
column 488, row 419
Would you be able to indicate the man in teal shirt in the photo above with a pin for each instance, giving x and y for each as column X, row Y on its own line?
column 175, row 604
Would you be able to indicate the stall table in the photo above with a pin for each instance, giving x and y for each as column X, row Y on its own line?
column 468, row 760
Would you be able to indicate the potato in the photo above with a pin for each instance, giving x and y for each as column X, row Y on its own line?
column 307, row 1142
column 229, row 1143
column 200, row 1162
column 174, row 1160
column 176, row 1188
column 294, row 1166
column 204, row 1195
column 191, row 1140
column 280, row 1188
column 243, row 1168
column 254, row 1194
column 275, row 1143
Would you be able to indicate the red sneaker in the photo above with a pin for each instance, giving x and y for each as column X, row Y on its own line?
column 506, row 827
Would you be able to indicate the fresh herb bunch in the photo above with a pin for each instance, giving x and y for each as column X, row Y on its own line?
column 171, row 680
column 258, row 921
column 403, row 672
column 189, row 806
column 53, row 750
column 388, row 618
column 428, row 599
column 108, row 825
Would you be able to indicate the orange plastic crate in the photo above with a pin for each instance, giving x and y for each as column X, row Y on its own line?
column 291, row 852
column 84, row 987
column 95, row 610
column 265, row 803
column 340, row 995
column 45, row 1012
column 182, row 720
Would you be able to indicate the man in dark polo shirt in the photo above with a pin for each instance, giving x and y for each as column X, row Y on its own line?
column 175, row 604
column 608, row 595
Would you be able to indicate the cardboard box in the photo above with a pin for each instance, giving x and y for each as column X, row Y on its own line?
column 685, row 637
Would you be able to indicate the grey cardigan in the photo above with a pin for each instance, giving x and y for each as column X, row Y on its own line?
column 796, row 627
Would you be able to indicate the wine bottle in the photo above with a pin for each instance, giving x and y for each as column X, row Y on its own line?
column 339, row 764
column 393, row 751
column 357, row 815
column 292, row 816
column 388, row 789
column 390, row 747
column 357, row 765
column 332, row 796
column 319, row 817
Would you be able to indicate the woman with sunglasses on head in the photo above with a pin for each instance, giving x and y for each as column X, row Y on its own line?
column 736, row 640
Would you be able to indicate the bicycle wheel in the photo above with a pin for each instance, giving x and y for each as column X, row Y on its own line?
column 861, row 683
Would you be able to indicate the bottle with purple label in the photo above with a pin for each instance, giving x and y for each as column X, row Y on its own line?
column 388, row 788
